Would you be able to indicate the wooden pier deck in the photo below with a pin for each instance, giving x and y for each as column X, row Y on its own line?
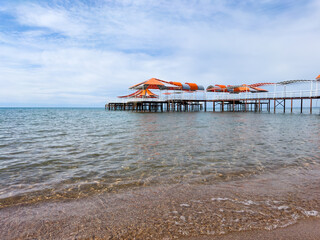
column 157, row 106
column 221, row 104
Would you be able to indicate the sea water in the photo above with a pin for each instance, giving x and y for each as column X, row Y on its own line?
column 54, row 154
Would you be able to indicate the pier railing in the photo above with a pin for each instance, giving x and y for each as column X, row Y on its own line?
column 207, row 96
column 267, row 95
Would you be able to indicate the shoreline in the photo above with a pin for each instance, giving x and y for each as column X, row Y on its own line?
column 243, row 208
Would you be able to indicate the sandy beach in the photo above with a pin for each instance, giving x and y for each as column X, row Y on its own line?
column 246, row 209
column 306, row 229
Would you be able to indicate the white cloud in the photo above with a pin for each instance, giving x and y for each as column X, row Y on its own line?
column 80, row 55
column 56, row 20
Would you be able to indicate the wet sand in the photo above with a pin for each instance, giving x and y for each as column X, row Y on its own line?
column 304, row 229
column 286, row 203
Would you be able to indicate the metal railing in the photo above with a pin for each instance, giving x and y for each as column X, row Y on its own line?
column 266, row 95
column 202, row 96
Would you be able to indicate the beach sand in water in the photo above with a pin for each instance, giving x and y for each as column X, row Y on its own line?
column 305, row 229
column 282, row 204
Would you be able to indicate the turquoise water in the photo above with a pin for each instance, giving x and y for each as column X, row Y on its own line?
column 50, row 153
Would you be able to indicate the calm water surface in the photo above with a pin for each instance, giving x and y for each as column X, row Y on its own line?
column 130, row 175
column 53, row 153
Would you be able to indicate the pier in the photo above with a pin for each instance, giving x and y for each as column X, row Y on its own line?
column 190, row 97
column 226, row 103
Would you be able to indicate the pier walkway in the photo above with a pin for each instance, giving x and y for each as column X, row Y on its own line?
column 219, row 102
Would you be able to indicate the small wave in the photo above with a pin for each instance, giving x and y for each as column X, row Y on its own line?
column 246, row 202
column 312, row 213
column 184, row 205
column 279, row 214
column 283, row 207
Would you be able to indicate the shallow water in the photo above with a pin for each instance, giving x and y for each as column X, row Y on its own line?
column 266, row 201
column 48, row 154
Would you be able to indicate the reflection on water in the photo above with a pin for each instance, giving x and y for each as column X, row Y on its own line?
column 71, row 153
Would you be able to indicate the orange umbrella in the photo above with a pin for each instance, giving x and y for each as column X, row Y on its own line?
column 154, row 83
column 238, row 88
column 184, row 87
column 218, row 88
column 256, row 89
column 241, row 89
column 141, row 94
column 131, row 95
column 195, row 87
column 146, row 94
column 260, row 84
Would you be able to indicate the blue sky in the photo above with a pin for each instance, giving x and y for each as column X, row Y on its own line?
column 84, row 53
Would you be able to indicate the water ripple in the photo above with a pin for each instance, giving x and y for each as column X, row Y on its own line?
column 51, row 152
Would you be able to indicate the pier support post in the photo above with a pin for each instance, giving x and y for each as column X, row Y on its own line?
column 310, row 105
column 291, row 104
column 205, row 106
column 284, row 105
column 274, row 107
column 222, row 106
column 301, row 105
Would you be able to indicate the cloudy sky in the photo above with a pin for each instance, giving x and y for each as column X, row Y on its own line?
column 83, row 53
